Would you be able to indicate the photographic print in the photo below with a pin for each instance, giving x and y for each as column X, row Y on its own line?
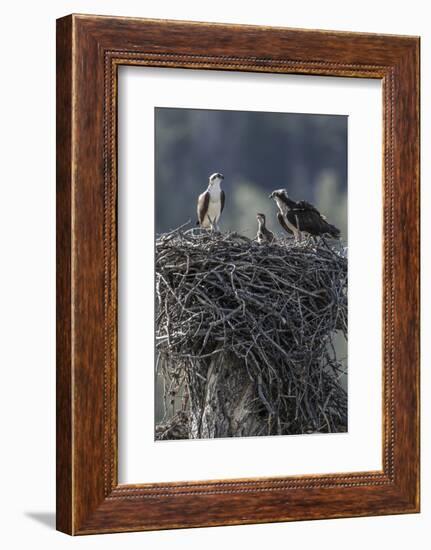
column 251, row 274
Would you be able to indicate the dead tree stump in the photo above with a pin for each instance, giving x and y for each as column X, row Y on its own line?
column 224, row 406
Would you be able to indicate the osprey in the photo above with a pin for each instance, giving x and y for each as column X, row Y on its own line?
column 301, row 217
column 264, row 235
column 211, row 203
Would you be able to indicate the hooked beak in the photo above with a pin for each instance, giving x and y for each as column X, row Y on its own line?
column 271, row 196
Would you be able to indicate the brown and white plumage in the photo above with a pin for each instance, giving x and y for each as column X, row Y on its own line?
column 211, row 203
column 264, row 235
column 301, row 217
column 283, row 224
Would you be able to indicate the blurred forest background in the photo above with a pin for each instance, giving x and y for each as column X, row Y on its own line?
column 257, row 152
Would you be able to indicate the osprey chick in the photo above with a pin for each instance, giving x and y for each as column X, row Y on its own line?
column 211, row 203
column 264, row 235
column 301, row 217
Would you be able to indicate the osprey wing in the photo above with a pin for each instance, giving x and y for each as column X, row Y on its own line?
column 311, row 221
column 283, row 223
column 269, row 235
column 304, row 205
column 222, row 200
column 202, row 208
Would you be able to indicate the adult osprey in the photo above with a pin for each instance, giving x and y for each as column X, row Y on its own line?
column 264, row 235
column 211, row 203
column 301, row 217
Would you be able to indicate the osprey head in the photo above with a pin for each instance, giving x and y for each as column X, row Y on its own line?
column 280, row 193
column 216, row 178
column 260, row 217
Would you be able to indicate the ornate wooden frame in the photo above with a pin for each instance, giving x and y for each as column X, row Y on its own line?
column 89, row 51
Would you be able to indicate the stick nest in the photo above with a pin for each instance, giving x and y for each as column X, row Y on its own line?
column 276, row 307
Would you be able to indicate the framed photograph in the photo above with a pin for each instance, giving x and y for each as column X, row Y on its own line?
column 237, row 274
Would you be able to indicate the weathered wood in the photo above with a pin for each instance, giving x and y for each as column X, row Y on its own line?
column 226, row 407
